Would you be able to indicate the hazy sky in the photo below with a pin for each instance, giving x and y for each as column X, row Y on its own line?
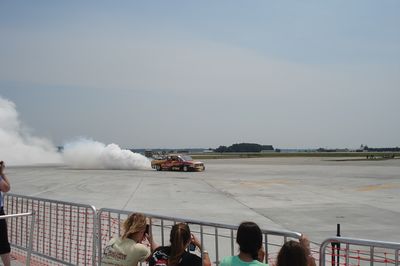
column 146, row 74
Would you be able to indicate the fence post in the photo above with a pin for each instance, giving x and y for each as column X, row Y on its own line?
column 32, row 228
column 30, row 245
column 336, row 246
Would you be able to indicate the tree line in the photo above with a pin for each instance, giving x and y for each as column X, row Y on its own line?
column 245, row 147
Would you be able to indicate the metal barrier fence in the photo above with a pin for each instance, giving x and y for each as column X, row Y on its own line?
column 218, row 239
column 64, row 235
column 29, row 233
column 74, row 234
column 350, row 251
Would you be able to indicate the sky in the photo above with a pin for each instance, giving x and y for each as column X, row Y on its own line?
column 200, row 74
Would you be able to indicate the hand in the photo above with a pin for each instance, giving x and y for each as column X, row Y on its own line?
column 146, row 236
column 2, row 166
column 305, row 243
column 146, row 240
column 195, row 241
column 4, row 181
column 261, row 255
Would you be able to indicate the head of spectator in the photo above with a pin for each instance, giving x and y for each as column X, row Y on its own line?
column 134, row 227
column 177, row 253
column 292, row 253
column 133, row 246
column 249, row 238
column 180, row 238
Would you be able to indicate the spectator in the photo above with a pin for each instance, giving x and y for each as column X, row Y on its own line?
column 251, row 253
column 176, row 254
column 295, row 253
column 131, row 247
column 4, row 244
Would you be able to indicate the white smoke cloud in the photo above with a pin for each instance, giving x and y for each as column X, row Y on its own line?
column 18, row 147
column 89, row 154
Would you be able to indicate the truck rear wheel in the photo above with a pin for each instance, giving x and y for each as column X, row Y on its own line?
column 158, row 167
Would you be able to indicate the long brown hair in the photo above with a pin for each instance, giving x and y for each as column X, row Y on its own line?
column 179, row 238
column 292, row 254
column 133, row 224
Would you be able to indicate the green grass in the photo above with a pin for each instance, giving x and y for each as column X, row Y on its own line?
column 361, row 155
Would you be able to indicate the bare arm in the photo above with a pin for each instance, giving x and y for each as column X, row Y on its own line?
column 152, row 242
column 206, row 259
column 205, row 256
column 4, row 181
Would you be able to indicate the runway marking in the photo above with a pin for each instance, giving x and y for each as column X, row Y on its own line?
column 378, row 187
column 264, row 183
column 133, row 193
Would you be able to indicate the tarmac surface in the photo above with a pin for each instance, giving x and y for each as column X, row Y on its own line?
column 309, row 195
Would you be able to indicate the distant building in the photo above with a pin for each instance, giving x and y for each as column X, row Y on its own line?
column 267, row 148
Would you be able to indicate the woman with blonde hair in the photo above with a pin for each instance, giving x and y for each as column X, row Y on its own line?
column 176, row 254
column 129, row 248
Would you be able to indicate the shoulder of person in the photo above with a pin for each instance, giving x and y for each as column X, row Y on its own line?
column 226, row 261
column 141, row 246
column 161, row 252
column 159, row 256
column 190, row 258
column 112, row 241
column 162, row 249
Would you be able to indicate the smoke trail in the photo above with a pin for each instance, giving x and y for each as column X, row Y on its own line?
column 89, row 154
column 17, row 146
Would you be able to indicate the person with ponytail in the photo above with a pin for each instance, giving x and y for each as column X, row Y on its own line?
column 176, row 254
column 133, row 246
column 249, row 238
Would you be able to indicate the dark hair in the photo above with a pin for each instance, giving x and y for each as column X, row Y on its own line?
column 292, row 254
column 249, row 238
column 179, row 238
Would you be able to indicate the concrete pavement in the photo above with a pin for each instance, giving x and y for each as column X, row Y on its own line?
column 309, row 195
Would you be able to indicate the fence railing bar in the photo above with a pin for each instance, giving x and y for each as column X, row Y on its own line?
column 232, row 243
column 81, row 228
column 70, row 234
column 266, row 247
column 77, row 236
column 372, row 244
column 63, row 231
column 50, row 228
column 202, row 244
column 162, row 233
column 32, row 226
column 30, row 243
column 372, row 255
